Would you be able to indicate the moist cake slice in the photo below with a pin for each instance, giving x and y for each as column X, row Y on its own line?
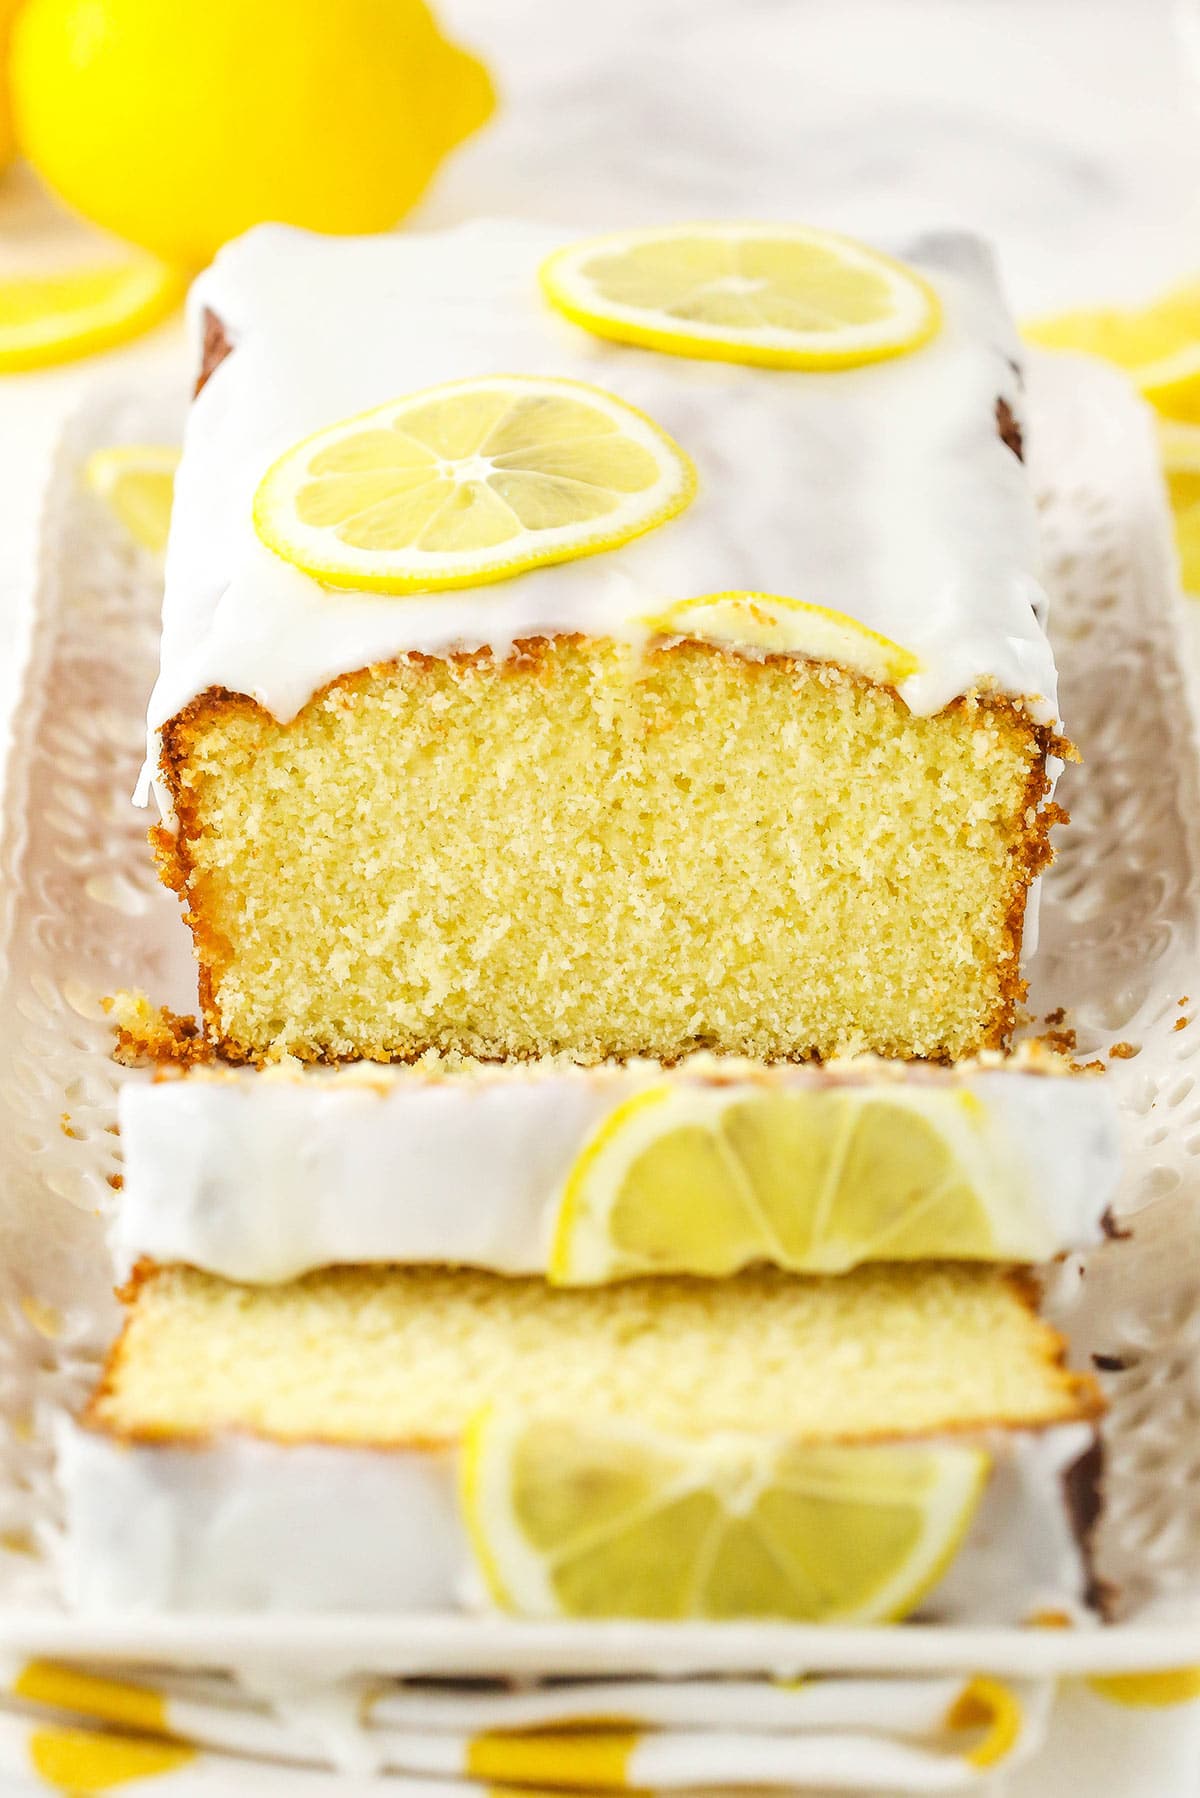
column 594, row 1174
column 772, row 778
column 888, row 1442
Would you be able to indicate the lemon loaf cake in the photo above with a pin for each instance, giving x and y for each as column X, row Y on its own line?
column 859, row 1448
column 539, row 679
column 592, row 1174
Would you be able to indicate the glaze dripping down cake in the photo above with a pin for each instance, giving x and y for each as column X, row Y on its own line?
column 557, row 814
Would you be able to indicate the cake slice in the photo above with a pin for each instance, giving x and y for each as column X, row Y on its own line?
column 772, row 778
column 820, row 1449
column 594, row 1174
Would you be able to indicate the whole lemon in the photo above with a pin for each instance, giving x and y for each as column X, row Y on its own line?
column 8, row 144
column 179, row 123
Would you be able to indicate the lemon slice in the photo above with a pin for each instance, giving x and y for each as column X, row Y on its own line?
column 779, row 626
column 53, row 318
column 471, row 482
column 137, row 482
column 1157, row 345
column 1179, row 445
column 708, row 1179
column 778, row 295
column 604, row 1520
column 1184, row 490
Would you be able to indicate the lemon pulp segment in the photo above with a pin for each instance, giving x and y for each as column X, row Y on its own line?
column 782, row 296
column 471, row 482
column 137, row 482
column 781, row 626
column 709, row 1180
column 53, row 318
column 601, row 1520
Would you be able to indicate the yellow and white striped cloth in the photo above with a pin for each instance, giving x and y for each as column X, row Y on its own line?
column 72, row 1730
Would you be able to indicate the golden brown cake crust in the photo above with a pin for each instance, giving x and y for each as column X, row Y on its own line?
column 214, row 348
column 146, row 1034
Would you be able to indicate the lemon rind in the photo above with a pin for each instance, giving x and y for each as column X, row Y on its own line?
column 518, row 1579
column 582, row 1251
column 351, row 574
column 105, row 466
column 110, row 473
column 146, row 294
column 857, row 646
column 901, row 1604
column 629, row 325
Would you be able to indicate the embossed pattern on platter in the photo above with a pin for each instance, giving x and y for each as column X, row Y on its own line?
column 82, row 914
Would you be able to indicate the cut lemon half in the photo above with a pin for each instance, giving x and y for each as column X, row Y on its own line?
column 54, row 318
column 779, row 626
column 471, row 482
column 709, row 1179
column 137, row 482
column 781, row 296
column 1158, row 345
column 605, row 1520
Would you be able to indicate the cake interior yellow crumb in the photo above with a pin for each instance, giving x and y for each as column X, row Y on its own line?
column 391, row 1355
column 576, row 851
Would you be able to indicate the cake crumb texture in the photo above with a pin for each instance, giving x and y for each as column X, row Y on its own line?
column 578, row 850
column 396, row 1356
column 146, row 1034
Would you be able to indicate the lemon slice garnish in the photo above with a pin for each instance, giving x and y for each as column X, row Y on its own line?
column 1158, row 345
column 471, row 482
column 779, row 626
column 782, row 296
column 604, row 1520
column 709, row 1179
column 137, row 482
column 1179, row 446
column 53, row 318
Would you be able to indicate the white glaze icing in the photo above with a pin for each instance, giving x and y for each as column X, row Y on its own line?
column 263, row 1176
column 883, row 491
column 246, row 1525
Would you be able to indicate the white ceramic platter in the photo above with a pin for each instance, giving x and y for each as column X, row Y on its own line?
column 82, row 914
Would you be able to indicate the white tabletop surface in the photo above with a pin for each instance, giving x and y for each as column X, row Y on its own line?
column 1067, row 130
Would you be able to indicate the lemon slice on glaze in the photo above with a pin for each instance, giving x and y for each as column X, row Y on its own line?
column 137, row 483
column 779, row 626
column 469, row 483
column 55, row 318
column 782, row 296
column 579, row 1520
column 709, row 1179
